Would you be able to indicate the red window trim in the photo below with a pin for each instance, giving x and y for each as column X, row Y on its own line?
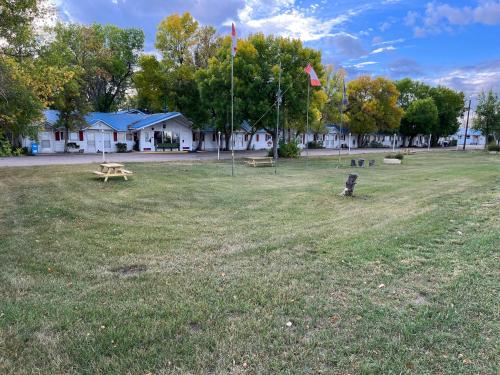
column 80, row 135
column 257, row 137
column 115, row 136
column 58, row 137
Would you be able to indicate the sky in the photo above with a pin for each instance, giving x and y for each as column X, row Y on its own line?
column 455, row 43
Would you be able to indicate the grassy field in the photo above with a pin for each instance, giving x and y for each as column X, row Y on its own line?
column 185, row 270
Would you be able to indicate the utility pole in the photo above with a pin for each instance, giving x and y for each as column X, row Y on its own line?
column 467, row 123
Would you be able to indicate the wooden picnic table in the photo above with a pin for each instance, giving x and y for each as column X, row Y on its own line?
column 255, row 161
column 112, row 170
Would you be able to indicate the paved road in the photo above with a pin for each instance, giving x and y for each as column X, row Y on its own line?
column 58, row 159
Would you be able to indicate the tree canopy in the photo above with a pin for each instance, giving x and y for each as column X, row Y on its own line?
column 487, row 118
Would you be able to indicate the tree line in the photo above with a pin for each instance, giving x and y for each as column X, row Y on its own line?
column 80, row 68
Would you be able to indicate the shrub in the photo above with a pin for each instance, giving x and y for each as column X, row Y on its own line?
column 494, row 147
column 314, row 145
column 121, row 147
column 287, row 150
column 5, row 147
column 453, row 143
column 394, row 156
column 375, row 144
column 18, row 151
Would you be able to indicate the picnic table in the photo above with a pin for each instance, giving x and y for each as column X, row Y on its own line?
column 255, row 161
column 112, row 170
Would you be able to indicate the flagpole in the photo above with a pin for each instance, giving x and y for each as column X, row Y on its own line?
column 278, row 99
column 232, row 114
column 307, row 119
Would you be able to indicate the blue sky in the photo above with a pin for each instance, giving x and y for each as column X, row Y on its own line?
column 450, row 42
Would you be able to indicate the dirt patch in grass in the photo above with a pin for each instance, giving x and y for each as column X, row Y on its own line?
column 130, row 270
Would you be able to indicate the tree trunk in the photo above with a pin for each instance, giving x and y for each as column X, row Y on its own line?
column 227, row 139
column 201, row 134
column 349, row 185
column 410, row 140
column 249, row 144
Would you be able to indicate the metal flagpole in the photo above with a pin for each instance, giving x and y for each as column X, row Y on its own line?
column 429, row 145
column 307, row 119
column 278, row 102
column 102, row 138
column 467, row 123
column 340, row 135
column 232, row 114
column 218, row 147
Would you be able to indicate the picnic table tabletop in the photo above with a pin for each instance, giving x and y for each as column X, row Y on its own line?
column 111, row 165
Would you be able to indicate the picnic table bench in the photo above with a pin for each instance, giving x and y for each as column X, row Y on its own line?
column 112, row 170
column 259, row 160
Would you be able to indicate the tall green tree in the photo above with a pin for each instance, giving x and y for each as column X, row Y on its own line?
column 72, row 104
column 372, row 107
column 20, row 108
column 421, row 117
column 450, row 106
column 107, row 56
column 487, row 119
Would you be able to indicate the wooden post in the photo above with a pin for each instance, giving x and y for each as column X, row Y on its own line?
column 349, row 185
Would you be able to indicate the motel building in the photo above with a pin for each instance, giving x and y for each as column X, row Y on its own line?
column 107, row 131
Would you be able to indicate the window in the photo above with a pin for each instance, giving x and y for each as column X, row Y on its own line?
column 268, row 137
column 73, row 136
column 247, row 136
column 146, row 137
column 121, row 137
column 213, row 137
column 45, row 143
column 129, row 137
column 58, row 136
column 257, row 138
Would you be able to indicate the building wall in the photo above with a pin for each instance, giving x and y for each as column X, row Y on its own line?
column 146, row 135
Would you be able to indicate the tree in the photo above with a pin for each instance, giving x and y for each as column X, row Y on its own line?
column 372, row 107
column 175, row 39
column 421, row 117
column 450, row 106
column 107, row 56
column 72, row 105
column 334, row 86
column 487, row 118
column 19, row 106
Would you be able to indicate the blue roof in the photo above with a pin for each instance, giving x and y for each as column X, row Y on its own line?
column 470, row 131
column 119, row 121
column 153, row 119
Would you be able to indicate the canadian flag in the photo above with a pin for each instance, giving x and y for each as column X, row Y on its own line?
column 313, row 76
column 233, row 36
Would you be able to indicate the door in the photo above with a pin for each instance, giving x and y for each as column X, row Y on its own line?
column 46, row 142
column 90, row 141
column 103, row 141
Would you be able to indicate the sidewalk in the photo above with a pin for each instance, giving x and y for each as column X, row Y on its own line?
column 138, row 157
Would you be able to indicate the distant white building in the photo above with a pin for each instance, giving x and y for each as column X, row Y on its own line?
column 474, row 137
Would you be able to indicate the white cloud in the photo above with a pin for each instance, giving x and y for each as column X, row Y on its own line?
column 286, row 18
column 382, row 49
column 364, row 64
column 440, row 18
column 378, row 41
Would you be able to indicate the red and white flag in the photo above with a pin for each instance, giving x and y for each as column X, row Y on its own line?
column 233, row 36
column 312, row 75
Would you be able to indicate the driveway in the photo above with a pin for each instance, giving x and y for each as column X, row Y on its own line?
column 138, row 157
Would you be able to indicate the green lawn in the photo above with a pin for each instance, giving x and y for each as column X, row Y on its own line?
column 184, row 269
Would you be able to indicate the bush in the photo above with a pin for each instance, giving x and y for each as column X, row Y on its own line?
column 494, row 147
column 287, row 150
column 5, row 147
column 314, row 145
column 18, row 151
column 121, row 147
column 395, row 156
column 453, row 143
column 375, row 144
